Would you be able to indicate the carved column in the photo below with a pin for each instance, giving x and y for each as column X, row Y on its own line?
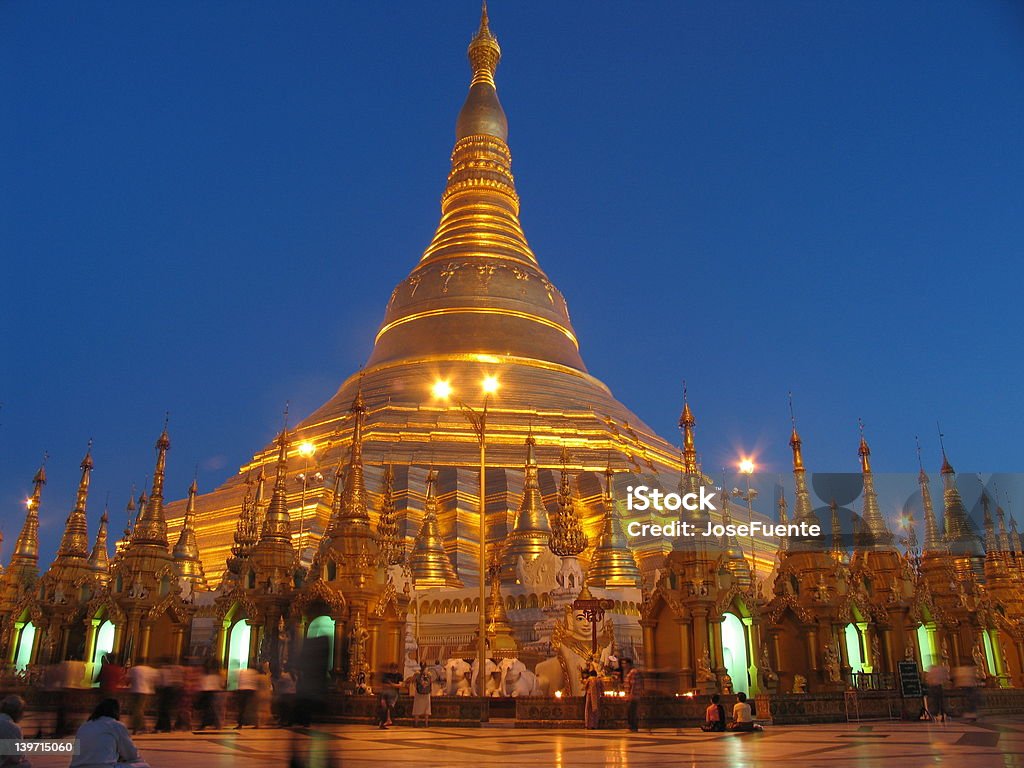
column 143, row 655
column 718, row 662
column 339, row 642
column 700, row 632
column 753, row 644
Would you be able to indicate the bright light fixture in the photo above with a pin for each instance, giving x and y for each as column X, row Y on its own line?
column 747, row 466
column 490, row 384
column 442, row 389
column 306, row 449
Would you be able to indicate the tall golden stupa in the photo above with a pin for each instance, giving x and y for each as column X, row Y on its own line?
column 476, row 304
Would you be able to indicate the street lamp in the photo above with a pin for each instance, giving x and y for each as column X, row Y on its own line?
column 747, row 467
column 442, row 390
column 306, row 451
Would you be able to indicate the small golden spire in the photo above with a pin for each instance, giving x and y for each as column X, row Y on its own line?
column 429, row 561
column 392, row 549
column 783, row 520
column 150, row 526
column 933, row 541
column 532, row 529
column 277, row 523
column 75, row 541
column 686, row 425
column 482, row 114
column 838, row 550
column 99, row 560
column 613, row 563
column 878, row 532
column 484, row 51
column 26, row 548
column 186, row 550
column 794, row 440
column 567, row 536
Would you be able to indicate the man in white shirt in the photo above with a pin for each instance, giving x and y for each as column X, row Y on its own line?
column 142, row 684
column 248, row 683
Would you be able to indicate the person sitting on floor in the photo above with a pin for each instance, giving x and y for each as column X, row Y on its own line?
column 104, row 742
column 742, row 716
column 714, row 716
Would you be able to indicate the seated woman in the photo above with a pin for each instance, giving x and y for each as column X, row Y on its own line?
column 742, row 717
column 714, row 716
column 104, row 742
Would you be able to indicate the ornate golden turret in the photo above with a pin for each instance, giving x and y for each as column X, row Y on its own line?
column 1015, row 545
column 532, row 529
column 689, row 482
column 839, row 553
column 126, row 536
column 1003, row 538
column 995, row 563
column 803, row 512
column 246, row 528
column 686, row 426
column 732, row 559
column 99, row 560
column 23, row 569
column 877, row 532
column 186, row 550
column 74, row 544
column 613, row 563
column 273, row 556
column 567, row 536
column 26, row 549
column 963, row 543
column 933, row 541
column 354, row 509
column 783, row 520
column 429, row 562
column 392, row 549
column 150, row 527
column 500, row 640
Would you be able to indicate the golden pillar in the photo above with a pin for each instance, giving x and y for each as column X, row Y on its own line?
column 143, row 656
column 753, row 633
column 811, row 641
column 372, row 641
column 700, row 632
column 686, row 660
column 648, row 639
column 718, row 663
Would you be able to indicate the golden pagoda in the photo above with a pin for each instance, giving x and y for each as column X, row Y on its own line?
column 612, row 563
column 477, row 303
column 18, row 581
column 532, row 529
column 186, row 550
column 428, row 561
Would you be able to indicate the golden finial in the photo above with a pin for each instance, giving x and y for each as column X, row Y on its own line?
column 947, row 468
column 794, row 440
column 484, row 51
column 863, row 450
column 150, row 526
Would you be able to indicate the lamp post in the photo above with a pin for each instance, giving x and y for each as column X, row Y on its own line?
column 478, row 419
column 747, row 468
column 306, row 451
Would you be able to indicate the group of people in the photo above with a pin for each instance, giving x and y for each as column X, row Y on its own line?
column 742, row 715
column 593, row 695
column 937, row 679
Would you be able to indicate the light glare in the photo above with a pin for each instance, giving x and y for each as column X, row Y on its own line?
column 442, row 389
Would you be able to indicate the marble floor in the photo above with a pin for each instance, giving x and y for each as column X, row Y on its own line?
column 991, row 743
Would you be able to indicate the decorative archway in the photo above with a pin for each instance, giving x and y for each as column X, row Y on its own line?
column 734, row 651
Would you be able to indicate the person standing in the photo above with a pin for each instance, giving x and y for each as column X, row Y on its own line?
column 141, row 681
column 211, row 687
column 936, row 679
column 593, row 694
column 111, row 676
column 11, row 709
column 390, row 681
column 421, row 688
column 248, row 684
column 633, row 683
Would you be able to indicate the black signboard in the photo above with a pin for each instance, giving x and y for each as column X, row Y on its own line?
column 910, row 679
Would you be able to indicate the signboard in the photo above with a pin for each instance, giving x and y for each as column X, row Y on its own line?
column 910, row 680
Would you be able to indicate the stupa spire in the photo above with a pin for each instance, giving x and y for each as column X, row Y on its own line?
column 429, row 561
column 75, row 541
column 354, row 509
column 277, row 524
column 99, row 560
column 26, row 548
column 933, row 541
column 1003, row 536
column 878, row 533
column 392, row 549
column 567, row 536
column 732, row 553
column 613, row 563
column 151, row 527
column 186, row 550
column 532, row 529
column 686, row 425
column 783, row 513
column 803, row 512
column 963, row 543
column 995, row 563
column 838, row 549
column 126, row 535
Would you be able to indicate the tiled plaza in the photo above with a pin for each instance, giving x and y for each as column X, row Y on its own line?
column 992, row 743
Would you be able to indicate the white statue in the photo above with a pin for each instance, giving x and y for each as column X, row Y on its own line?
column 516, row 679
column 457, row 672
column 572, row 643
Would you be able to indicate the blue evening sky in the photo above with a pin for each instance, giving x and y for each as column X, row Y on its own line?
column 204, row 208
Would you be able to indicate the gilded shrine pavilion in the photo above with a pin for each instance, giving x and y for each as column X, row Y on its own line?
column 359, row 525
